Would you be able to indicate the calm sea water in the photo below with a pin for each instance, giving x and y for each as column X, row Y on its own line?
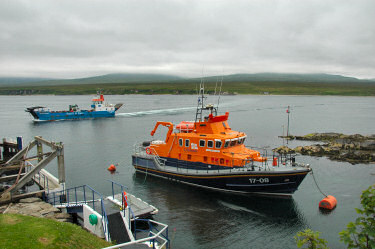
column 198, row 218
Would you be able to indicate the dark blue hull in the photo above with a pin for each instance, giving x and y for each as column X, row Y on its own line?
column 65, row 115
column 274, row 182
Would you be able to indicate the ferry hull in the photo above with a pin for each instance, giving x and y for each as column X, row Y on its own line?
column 54, row 116
column 236, row 181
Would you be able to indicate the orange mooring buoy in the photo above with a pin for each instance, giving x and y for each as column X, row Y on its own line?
column 329, row 202
column 112, row 168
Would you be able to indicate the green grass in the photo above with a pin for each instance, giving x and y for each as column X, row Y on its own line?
column 18, row 231
column 274, row 88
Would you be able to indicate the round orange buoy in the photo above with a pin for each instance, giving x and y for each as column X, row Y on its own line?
column 329, row 202
column 112, row 168
column 274, row 163
column 125, row 200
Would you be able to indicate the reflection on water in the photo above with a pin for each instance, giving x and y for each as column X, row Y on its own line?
column 199, row 218
column 208, row 214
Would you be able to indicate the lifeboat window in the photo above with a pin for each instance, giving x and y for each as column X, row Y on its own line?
column 226, row 143
column 210, row 144
column 240, row 141
column 187, row 143
column 202, row 143
column 233, row 142
column 225, row 126
column 180, row 142
column 218, row 144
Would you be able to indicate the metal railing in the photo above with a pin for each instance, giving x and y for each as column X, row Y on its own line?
column 283, row 160
column 157, row 238
column 39, row 178
column 159, row 161
column 77, row 196
column 154, row 235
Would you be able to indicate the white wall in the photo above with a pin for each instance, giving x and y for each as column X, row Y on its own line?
column 95, row 229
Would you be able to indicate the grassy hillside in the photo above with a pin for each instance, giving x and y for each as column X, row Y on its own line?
column 18, row 231
column 275, row 88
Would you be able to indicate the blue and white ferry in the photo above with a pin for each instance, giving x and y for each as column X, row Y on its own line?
column 99, row 109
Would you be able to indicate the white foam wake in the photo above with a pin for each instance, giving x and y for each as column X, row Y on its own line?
column 153, row 112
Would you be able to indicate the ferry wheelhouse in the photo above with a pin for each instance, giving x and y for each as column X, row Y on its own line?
column 208, row 153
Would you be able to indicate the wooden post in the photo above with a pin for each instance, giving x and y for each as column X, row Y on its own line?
column 60, row 163
column 39, row 148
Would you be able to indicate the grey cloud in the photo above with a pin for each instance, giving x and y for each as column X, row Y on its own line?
column 80, row 38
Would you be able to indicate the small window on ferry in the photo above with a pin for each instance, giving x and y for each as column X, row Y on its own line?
column 202, row 143
column 187, row 143
column 218, row 144
column 210, row 144
column 181, row 142
column 233, row 142
column 226, row 143
column 240, row 140
column 243, row 140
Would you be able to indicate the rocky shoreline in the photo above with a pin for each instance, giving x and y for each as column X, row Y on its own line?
column 35, row 207
column 336, row 146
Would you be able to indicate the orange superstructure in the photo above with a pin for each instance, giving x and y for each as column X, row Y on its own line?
column 209, row 141
column 207, row 153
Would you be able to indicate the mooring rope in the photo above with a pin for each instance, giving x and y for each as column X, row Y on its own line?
column 144, row 180
column 312, row 173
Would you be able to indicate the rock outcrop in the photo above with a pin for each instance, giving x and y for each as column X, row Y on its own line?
column 35, row 207
column 350, row 148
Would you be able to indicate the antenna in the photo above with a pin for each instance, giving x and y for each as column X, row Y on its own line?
column 287, row 131
column 218, row 99
column 216, row 85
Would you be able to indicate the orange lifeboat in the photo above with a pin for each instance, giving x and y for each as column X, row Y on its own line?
column 206, row 152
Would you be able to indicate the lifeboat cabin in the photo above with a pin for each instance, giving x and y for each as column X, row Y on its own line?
column 210, row 142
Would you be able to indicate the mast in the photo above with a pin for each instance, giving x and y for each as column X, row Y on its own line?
column 200, row 105
column 287, row 131
column 218, row 99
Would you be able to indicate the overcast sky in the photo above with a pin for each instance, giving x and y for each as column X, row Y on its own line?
column 79, row 38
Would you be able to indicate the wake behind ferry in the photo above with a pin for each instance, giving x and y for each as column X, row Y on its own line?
column 207, row 153
column 99, row 109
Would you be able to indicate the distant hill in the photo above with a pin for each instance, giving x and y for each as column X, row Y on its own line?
column 161, row 78
column 102, row 79
column 285, row 77
column 15, row 81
